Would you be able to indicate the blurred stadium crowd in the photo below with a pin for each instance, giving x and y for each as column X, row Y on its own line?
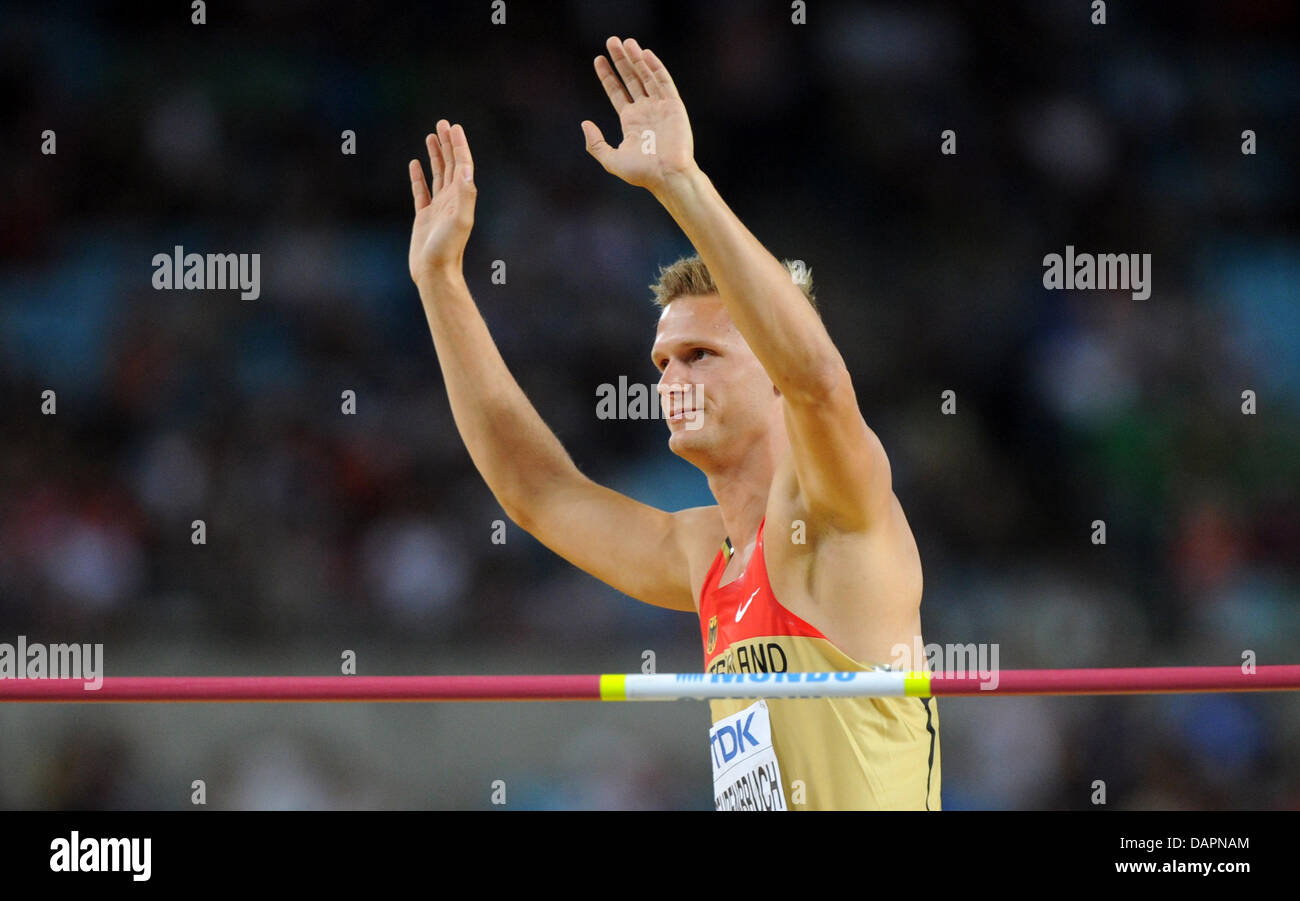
column 373, row 531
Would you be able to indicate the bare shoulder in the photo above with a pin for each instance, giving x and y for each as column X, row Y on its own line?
column 700, row 531
column 861, row 588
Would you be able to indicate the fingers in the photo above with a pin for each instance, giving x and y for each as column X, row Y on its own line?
column 648, row 82
column 419, row 190
column 635, row 89
column 596, row 145
column 613, row 87
column 450, row 164
column 460, row 152
column 435, row 162
column 642, row 74
column 444, row 145
column 661, row 76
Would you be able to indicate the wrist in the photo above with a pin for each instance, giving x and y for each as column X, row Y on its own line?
column 435, row 278
column 680, row 183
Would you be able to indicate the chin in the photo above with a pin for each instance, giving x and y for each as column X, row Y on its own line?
column 688, row 442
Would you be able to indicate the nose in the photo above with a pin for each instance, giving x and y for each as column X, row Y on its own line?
column 678, row 394
column 671, row 379
column 671, row 391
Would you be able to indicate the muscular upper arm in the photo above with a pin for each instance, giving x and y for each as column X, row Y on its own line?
column 840, row 464
column 642, row 551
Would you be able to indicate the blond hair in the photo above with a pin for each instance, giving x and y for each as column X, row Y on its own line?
column 689, row 275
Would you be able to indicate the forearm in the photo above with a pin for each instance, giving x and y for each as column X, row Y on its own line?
column 514, row 450
column 762, row 299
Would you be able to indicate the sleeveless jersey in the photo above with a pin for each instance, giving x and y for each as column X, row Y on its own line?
column 832, row 753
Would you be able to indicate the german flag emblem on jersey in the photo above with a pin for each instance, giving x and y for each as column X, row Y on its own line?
column 713, row 635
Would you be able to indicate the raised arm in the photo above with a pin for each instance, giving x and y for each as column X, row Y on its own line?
column 842, row 470
column 633, row 547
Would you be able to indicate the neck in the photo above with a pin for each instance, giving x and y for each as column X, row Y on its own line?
column 741, row 490
column 742, row 509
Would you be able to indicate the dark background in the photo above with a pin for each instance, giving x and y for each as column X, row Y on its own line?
column 371, row 532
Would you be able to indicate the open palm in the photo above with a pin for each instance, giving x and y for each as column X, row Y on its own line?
column 657, row 140
column 444, row 206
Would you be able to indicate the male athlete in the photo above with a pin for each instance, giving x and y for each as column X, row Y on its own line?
column 818, row 569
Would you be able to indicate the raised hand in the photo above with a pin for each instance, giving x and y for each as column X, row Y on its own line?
column 657, row 141
column 445, row 215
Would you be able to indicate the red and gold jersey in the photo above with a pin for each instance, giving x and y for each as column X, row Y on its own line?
column 831, row 753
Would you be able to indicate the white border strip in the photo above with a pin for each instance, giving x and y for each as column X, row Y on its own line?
column 702, row 686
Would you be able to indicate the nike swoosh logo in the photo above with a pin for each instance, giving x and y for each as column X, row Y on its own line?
column 745, row 606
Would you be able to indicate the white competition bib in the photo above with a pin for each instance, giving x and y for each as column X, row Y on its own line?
column 745, row 773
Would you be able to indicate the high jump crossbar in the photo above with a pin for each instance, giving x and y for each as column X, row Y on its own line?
column 654, row 687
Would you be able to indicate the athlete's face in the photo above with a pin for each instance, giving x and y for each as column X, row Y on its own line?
column 713, row 391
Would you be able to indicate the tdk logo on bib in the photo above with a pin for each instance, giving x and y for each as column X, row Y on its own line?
column 733, row 739
column 745, row 772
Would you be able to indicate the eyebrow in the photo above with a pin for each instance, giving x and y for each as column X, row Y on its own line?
column 689, row 342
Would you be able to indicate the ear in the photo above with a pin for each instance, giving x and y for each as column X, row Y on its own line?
column 776, row 391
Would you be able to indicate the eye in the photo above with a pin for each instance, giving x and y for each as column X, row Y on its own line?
column 698, row 352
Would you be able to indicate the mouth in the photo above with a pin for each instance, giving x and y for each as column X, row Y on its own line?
column 681, row 415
